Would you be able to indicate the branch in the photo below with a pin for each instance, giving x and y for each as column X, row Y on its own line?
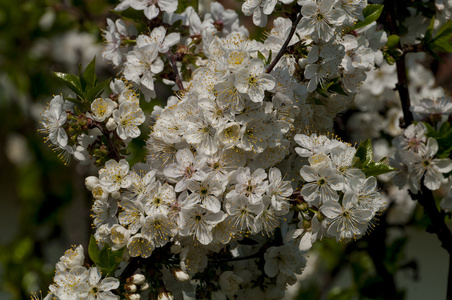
column 113, row 151
column 175, row 70
column 402, row 79
column 286, row 43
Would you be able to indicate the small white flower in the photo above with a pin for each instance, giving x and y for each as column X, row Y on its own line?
column 101, row 289
column 429, row 168
column 128, row 117
column 322, row 183
column 140, row 245
column 102, row 109
column 53, row 118
column 253, row 81
column 199, row 222
column 115, row 175
column 346, row 221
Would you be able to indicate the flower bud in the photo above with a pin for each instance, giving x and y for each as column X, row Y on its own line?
column 133, row 296
column 144, row 287
column 138, row 279
column 91, row 182
column 303, row 62
column 111, row 124
column 175, row 249
column 181, row 275
column 116, row 195
column 165, row 296
column 130, row 287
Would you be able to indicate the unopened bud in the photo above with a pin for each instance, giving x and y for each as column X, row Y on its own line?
column 138, row 279
column 91, row 182
column 133, row 296
column 144, row 287
column 302, row 206
column 303, row 62
column 165, row 296
column 116, row 195
column 175, row 249
column 181, row 275
column 130, row 287
column 111, row 124
column 306, row 224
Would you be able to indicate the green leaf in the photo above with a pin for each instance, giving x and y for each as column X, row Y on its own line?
column 109, row 260
column 96, row 91
column 269, row 58
column 393, row 41
column 89, row 75
column 429, row 32
column 365, row 152
column 337, row 88
column 371, row 13
column 375, row 168
column 261, row 56
column 444, row 138
column 71, row 81
column 93, row 250
column 130, row 14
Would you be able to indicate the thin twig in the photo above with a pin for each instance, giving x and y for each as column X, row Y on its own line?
column 286, row 43
column 113, row 149
column 175, row 70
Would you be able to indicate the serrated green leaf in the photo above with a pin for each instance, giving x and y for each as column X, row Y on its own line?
column 96, row 91
column 371, row 13
column 393, row 41
column 89, row 75
column 365, row 152
column 93, row 250
column 71, row 81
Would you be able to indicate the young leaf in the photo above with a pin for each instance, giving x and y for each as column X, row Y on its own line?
column 93, row 250
column 109, row 259
column 96, row 91
column 71, row 81
column 375, row 168
column 371, row 13
column 89, row 75
column 365, row 152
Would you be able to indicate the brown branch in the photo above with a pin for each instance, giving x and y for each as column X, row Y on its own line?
column 402, row 79
column 286, row 43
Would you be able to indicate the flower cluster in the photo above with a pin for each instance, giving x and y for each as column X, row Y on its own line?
column 74, row 281
column 416, row 157
column 240, row 176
